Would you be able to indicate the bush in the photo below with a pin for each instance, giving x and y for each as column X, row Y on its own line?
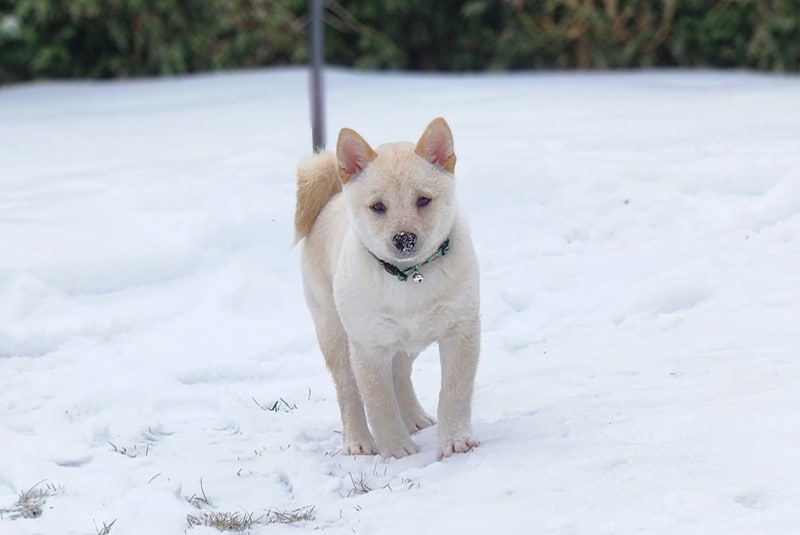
column 117, row 38
column 520, row 34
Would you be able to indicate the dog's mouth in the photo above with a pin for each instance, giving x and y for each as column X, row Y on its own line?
column 406, row 257
column 404, row 260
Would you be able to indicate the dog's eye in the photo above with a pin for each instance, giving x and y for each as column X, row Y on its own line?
column 378, row 208
column 422, row 202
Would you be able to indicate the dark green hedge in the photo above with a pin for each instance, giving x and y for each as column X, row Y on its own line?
column 115, row 38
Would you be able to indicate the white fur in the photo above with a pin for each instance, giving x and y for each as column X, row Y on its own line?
column 371, row 326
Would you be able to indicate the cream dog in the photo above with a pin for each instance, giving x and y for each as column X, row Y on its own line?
column 388, row 269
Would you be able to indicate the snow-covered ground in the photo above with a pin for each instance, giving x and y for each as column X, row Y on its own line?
column 639, row 238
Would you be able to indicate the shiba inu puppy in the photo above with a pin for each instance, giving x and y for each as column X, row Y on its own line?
column 389, row 268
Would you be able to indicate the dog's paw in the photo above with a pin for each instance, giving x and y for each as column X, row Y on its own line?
column 359, row 448
column 418, row 422
column 398, row 450
column 457, row 445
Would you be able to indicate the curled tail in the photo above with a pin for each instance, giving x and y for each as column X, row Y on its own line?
column 317, row 181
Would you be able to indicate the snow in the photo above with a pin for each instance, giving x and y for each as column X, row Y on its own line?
column 639, row 238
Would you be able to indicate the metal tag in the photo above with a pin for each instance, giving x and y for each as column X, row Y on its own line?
column 417, row 276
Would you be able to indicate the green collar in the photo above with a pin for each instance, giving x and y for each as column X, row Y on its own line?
column 416, row 276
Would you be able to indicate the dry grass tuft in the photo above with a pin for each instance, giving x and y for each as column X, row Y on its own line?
column 243, row 521
column 278, row 405
column 31, row 502
column 199, row 501
column 360, row 486
column 302, row 514
column 225, row 521
column 106, row 529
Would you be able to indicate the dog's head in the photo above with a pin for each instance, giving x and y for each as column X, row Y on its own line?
column 400, row 195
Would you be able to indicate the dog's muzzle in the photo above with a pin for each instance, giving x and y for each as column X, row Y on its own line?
column 404, row 242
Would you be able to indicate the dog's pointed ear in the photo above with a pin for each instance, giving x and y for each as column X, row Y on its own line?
column 353, row 154
column 436, row 145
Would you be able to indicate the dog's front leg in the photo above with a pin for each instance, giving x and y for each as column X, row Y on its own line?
column 411, row 411
column 458, row 352
column 373, row 371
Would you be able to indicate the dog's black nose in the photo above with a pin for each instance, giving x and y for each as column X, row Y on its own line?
column 405, row 241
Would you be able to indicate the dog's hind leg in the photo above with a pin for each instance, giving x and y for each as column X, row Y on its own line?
column 414, row 416
column 356, row 438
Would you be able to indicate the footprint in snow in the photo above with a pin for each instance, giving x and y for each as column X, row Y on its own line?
column 672, row 300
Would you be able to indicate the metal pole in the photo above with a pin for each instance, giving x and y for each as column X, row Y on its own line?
column 317, row 60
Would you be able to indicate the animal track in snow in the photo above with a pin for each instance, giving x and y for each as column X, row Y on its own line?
column 674, row 299
column 73, row 461
column 756, row 499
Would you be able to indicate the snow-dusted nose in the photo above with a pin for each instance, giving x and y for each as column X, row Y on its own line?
column 405, row 241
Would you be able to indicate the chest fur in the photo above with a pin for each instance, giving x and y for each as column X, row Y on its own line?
column 398, row 316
